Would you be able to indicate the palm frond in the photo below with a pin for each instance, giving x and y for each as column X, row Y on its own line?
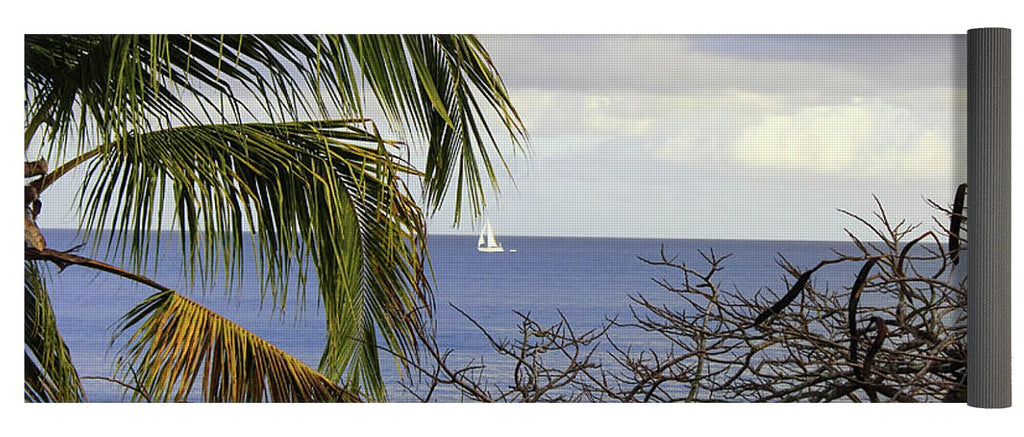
column 106, row 87
column 50, row 376
column 176, row 340
column 325, row 195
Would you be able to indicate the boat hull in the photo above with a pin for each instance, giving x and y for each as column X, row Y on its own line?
column 490, row 249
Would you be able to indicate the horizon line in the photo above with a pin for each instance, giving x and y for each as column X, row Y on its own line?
column 657, row 238
column 473, row 235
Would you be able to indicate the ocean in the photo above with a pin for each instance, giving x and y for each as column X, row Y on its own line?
column 589, row 280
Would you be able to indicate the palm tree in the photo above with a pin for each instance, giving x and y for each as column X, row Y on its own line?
column 266, row 133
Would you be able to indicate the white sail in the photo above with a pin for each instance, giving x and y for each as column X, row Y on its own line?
column 487, row 241
column 491, row 241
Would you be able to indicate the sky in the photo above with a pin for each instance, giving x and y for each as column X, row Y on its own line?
column 719, row 136
column 742, row 136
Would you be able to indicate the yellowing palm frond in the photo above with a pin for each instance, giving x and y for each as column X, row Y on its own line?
column 177, row 340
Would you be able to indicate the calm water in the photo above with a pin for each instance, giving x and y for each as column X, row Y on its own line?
column 588, row 279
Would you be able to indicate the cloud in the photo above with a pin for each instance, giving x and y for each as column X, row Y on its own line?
column 819, row 67
column 935, row 152
column 865, row 137
column 817, row 138
column 915, row 135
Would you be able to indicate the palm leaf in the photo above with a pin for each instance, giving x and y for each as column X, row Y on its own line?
column 325, row 195
column 176, row 340
column 50, row 376
column 103, row 88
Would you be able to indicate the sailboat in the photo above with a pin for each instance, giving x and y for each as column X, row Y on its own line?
column 487, row 242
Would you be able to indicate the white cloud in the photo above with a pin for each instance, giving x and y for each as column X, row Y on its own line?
column 817, row 138
column 933, row 152
column 720, row 164
column 863, row 137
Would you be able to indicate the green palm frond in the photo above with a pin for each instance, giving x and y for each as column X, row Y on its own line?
column 325, row 195
column 50, row 375
column 434, row 87
column 176, row 340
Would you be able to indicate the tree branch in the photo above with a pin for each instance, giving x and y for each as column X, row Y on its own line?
column 65, row 259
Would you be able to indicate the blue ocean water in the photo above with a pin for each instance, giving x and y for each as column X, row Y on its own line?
column 588, row 279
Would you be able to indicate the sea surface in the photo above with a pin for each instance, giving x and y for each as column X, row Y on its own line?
column 588, row 279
